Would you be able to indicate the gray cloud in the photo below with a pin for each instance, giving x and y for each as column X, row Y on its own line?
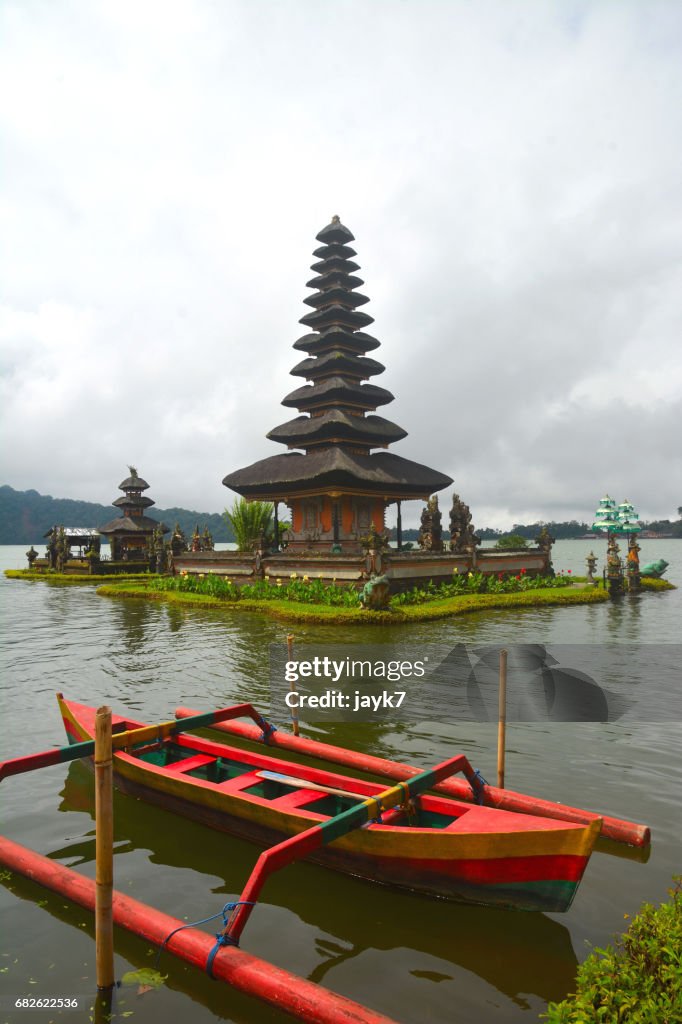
column 510, row 171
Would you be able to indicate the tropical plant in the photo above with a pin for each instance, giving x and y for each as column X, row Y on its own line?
column 639, row 980
column 513, row 540
column 250, row 519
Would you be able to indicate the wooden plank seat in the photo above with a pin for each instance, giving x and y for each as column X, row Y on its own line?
column 188, row 763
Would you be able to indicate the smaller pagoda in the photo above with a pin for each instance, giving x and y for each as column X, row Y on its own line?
column 130, row 535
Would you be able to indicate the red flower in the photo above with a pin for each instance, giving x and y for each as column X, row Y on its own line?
column 522, row 571
column 569, row 570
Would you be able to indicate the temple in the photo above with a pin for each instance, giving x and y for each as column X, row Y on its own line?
column 337, row 486
column 337, row 478
column 131, row 534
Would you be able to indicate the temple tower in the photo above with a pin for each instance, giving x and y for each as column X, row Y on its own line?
column 129, row 534
column 338, row 489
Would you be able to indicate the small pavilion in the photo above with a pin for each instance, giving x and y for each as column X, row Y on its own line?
column 130, row 534
column 339, row 486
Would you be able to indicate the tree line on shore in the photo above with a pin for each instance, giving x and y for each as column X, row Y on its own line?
column 26, row 516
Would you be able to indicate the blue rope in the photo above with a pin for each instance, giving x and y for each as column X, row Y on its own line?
column 228, row 908
column 267, row 731
column 221, row 938
column 478, row 790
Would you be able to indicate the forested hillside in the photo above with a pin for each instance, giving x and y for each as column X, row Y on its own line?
column 26, row 516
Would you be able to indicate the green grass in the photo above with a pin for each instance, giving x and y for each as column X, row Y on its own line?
column 68, row 579
column 291, row 611
column 639, row 981
column 649, row 583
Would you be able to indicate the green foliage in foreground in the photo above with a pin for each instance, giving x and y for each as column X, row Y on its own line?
column 637, row 982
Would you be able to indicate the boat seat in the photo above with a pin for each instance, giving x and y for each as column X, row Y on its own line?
column 186, row 765
column 299, row 798
column 241, row 782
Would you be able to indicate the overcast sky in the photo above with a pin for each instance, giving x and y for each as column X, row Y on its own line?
column 511, row 172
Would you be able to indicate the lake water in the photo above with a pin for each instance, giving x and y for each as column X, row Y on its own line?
column 412, row 958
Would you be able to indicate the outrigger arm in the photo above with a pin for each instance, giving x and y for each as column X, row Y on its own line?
column 133, row 737
column 299, row 846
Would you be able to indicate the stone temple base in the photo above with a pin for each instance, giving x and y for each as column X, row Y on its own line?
column 404, row 569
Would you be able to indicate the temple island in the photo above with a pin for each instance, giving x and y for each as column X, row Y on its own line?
column 337, row 479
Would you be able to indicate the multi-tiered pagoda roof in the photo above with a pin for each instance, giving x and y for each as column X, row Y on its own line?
column 132, row 505
column 338, row 427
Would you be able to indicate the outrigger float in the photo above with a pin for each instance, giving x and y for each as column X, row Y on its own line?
column 399, row 836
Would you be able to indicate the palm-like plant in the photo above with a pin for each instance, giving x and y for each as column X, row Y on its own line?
column 248, row 520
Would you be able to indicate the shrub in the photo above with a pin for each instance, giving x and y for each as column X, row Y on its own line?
column 513, row 540
column 478, row 583
column 637, row 982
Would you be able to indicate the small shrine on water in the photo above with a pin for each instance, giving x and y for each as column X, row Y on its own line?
column 133, row 535
column 338, row 478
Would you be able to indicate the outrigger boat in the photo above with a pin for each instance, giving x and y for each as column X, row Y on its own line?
column 402, row 836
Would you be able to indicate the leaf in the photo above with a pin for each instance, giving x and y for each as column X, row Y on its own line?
column 146, row 976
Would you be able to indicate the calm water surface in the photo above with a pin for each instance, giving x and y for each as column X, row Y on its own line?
column 411, row 958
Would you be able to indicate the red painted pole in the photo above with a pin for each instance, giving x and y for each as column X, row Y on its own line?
column 504, row 799
column 302, row 999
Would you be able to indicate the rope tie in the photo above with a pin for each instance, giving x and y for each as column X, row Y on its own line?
column 267, row 730
column 478, row 786
column 222, row 939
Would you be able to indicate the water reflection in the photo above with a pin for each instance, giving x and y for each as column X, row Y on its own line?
column 532, row 953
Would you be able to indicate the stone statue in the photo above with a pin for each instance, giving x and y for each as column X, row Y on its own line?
column 430, row 529
column 375, row 594
column 31, row 554
column 462, row 536
column 654, row 569
column 62, row 550
column 633, row 563
column 51, row 551
column 591, row 566
column 178, row 541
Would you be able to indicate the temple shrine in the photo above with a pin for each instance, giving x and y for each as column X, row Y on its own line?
column 338, row 488
column 132, row 535
column 337, row 478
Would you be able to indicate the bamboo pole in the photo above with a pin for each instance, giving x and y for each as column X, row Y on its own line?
column 292, row 684
column 104, row 859
column 502, row 720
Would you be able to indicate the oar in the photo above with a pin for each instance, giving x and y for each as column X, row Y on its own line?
column 161, row 731
column 289, row 780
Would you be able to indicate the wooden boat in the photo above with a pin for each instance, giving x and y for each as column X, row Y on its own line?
column 434, row 845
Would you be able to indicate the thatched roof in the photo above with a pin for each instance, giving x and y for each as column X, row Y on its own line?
column 338, row 362
column 337, row 337
column 336, row 315
column 337, row 443
column 335, row 469
column 374, row 431
column 133, row 501
column 337, row 391
column 132, row 524
column 335, row 232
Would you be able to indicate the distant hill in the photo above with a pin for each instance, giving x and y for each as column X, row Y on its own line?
column 26, row 516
